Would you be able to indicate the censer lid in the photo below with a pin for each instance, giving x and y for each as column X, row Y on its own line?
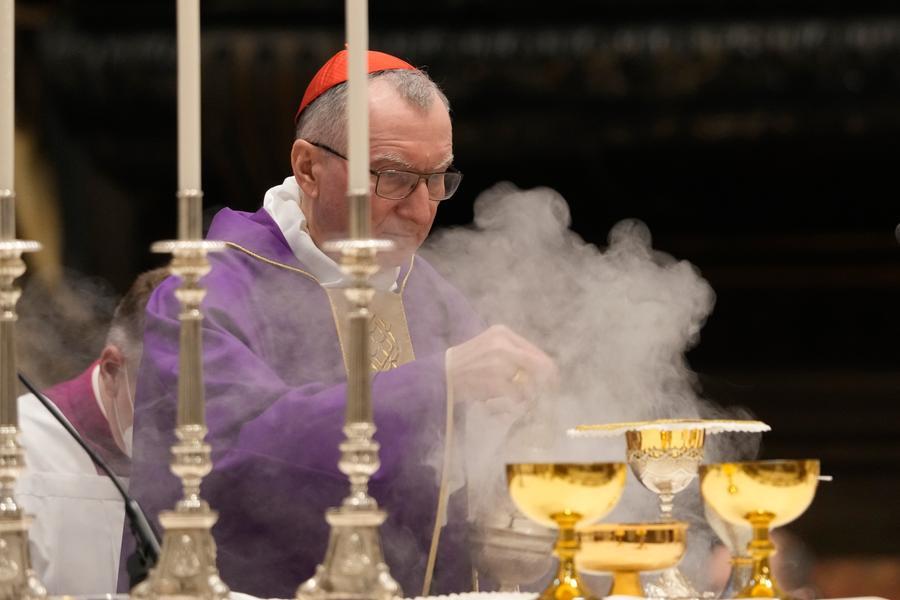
column 710, row 426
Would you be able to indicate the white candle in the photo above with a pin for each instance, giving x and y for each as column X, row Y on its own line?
column 189, row 94
column 7, row 93
column 357, row 15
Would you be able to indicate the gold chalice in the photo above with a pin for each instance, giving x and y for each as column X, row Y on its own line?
column 766, row 494
column 626, row 549
column 664, row 455
column 562, row 495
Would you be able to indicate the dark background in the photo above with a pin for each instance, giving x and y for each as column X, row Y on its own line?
column 757, row 139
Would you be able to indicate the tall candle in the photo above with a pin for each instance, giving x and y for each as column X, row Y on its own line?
column 357, row 16
column 189, row 94
column 7, row 93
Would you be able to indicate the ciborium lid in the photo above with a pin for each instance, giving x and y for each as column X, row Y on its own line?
column 710, row 426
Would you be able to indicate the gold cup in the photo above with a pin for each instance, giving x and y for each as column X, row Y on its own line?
column 626, row 549
column 766, row 494
column 560, row 496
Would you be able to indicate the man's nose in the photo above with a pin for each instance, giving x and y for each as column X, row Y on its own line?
column 417, row 206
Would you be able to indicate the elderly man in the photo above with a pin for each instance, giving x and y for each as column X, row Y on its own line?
column 273, row 354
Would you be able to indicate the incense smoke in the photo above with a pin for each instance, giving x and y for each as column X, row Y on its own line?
column 618, row 321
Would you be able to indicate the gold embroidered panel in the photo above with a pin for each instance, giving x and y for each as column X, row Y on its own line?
column 389, row 342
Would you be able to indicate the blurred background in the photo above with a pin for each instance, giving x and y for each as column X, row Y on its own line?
column 756, row 138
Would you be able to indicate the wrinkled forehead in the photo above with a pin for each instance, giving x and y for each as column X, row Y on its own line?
column 406, row 134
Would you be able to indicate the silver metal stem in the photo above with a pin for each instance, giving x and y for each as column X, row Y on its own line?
column 190, row 214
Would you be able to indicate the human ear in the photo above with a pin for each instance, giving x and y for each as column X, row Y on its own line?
column 112, row 361
column 302, row 161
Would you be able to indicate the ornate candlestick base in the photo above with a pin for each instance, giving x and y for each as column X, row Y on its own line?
column 187, row 563
column 354, row 568
column 17, row 580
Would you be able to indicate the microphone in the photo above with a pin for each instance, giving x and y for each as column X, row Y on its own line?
column 147, row 549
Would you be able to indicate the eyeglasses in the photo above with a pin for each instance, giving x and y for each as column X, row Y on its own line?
column 397, row 184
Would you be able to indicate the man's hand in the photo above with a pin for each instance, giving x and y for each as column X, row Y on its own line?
column 499, row 363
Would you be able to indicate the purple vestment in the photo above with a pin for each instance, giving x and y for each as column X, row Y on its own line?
column 275, row 392
column 75, row 398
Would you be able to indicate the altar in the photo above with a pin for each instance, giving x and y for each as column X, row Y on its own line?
column 549, row 529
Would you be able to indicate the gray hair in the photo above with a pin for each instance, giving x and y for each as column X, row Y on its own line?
column 325, row 119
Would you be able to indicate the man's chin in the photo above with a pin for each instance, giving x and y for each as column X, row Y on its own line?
column 404, row 247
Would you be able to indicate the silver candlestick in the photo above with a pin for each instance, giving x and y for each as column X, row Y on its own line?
column 354, row 564
column 17, row 580
column 187, row 563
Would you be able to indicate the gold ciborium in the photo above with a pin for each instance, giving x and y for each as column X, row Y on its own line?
column 627, row 549
column 766, row 494
column 560, row 496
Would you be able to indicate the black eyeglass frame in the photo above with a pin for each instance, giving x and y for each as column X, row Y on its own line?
column 450, row 170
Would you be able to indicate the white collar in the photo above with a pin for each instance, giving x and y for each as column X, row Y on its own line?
column 282, row 202
column 95, row 387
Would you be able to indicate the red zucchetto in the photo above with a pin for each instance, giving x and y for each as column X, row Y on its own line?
column 334, row 72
